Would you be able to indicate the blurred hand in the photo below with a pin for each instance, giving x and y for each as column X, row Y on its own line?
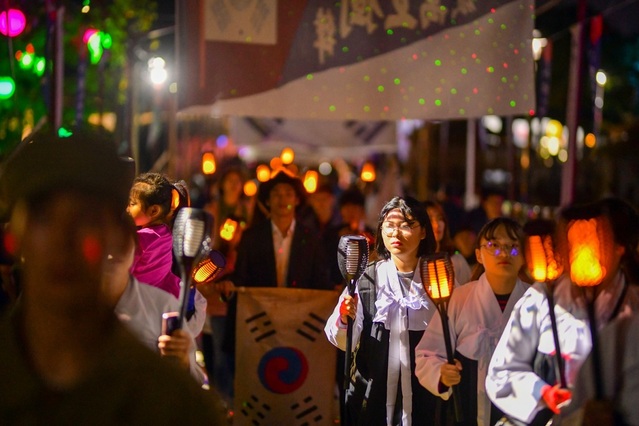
column 449, row 374
column 176, row 345
column 554, row 396
column 226, row 288
column 348, row 308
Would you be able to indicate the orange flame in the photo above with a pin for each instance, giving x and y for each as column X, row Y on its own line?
column 541, row 258
column 440, row 285
column 585, row 253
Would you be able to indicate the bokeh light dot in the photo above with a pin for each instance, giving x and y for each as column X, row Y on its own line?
column 438, row 63
column 309, row 76
column 380, row 88
column 464, row 71
column 397, row 81
column 438, row 102
column 422, row 101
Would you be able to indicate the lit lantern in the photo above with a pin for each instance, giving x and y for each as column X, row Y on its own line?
column 310, row 181
column 287, row 155
column 368, row 172
column 250, row 188
column 208, row 163
column 227, row 231
column 12, row 22
column 263, row 172
column 276, row 163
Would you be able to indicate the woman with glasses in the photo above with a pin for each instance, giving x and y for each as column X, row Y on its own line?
column 390, row 312
column 478, row 312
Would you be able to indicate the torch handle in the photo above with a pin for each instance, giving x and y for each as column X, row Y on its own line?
column 348, row 359
column 555, row 335
column 459, row 416
column 594, row 352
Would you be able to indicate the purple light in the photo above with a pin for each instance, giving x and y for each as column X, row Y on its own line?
column 222, row 141
column 13, row 23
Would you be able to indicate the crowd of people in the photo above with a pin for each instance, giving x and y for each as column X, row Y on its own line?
column 88, row 270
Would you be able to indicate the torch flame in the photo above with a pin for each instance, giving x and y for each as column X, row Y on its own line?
column 541, row 258
column 585, row 254
column 439, row 283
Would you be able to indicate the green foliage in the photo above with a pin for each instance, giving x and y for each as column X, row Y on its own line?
column 106, row 82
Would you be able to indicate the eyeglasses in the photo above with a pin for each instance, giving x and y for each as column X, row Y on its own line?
column 496, row 249
column 405, row 228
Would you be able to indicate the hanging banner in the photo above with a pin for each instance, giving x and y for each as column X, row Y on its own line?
column 285, row 366
column 361, row 60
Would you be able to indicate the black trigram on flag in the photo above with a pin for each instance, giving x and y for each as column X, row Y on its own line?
column 312, row 327
column 260, row 326
column 256, row 411
column 306, row 412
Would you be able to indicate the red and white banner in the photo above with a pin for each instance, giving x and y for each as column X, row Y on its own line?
column 284, row 365
column 365, row 60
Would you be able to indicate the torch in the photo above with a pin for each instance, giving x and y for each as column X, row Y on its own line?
column 191, row 243
column 438, row 279
column 209, row 268
column 545, row 265
column 352, row 257
column 588, row 241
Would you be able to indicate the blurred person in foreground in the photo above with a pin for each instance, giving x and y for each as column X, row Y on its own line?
column 521, row 378
column 66, row 359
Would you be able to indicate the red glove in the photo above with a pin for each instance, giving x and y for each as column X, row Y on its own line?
column 347, row 308
column 554, row 396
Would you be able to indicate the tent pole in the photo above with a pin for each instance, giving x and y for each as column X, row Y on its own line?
column 569, row 170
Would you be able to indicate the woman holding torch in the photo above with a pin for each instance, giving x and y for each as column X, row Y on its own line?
column 390, row 311
column 477, row 314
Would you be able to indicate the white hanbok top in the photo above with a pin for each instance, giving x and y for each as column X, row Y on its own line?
column 511, row 384
column 476, row 323
column 141, row 307
column 399, row 313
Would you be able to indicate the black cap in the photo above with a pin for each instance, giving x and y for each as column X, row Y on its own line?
column 86, row 161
